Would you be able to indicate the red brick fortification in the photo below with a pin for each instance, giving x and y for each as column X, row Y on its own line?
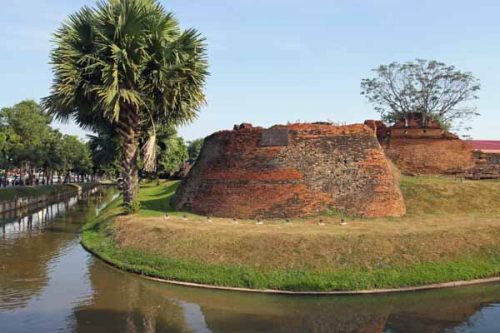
column 427, row 156
column 423, row 150
column 291, row 171
column 487, row 166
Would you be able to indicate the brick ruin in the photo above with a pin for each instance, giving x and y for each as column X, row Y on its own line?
column 292, row 171
column 487, row 166
column 487, row 159
column 418, row 149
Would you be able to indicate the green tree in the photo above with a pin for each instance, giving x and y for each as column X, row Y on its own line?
column 4, row 142
column 433, row 89
column 104, row 149
column 83, row 165
column 128, row 64
column 76, row 157
column 52, row 154
column 24, row 132
column 173, row 151
column 194, row 148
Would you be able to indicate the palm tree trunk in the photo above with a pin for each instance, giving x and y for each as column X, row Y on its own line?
column 128, row 130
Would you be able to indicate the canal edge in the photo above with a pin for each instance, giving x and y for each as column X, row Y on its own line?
column 434, row 286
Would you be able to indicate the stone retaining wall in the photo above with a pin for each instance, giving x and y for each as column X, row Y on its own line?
column 26, row 202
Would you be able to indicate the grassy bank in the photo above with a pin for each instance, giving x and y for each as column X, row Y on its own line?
column 451, row 232
column 10, row 193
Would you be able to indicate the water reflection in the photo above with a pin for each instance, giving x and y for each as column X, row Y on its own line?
column 27, row 219
column 49, row 283
column 31, row 246
column 167, row 308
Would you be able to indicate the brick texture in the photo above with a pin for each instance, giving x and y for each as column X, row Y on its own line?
column 427, row 156
column 487, row 166
column 423, row 150
column 319, row 167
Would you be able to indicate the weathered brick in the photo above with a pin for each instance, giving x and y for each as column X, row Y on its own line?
column 418, row 149
column 430, row 156
column 320, row 166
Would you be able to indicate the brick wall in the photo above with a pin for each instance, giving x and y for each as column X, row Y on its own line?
column 428, row 156
column 291, row 171
column 487, row 166
column 423, row 150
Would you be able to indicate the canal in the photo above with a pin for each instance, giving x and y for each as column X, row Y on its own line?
column 49, row 283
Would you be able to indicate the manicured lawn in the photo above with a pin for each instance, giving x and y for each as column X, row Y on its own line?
column 447, row 196
column 451, row 232
column 155, row 200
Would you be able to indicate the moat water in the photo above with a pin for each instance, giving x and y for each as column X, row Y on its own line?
column 49, row 283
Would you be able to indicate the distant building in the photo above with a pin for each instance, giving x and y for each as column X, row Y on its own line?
column 487, row 158
column 486, row 146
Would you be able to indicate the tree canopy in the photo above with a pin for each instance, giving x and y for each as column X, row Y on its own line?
column 194, row 148
column 171, row 154
column 28, row 143
column 428, row 87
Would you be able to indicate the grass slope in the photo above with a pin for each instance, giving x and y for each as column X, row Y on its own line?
column 451, row 232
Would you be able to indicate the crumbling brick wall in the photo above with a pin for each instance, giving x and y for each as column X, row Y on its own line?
column 423, row 150
column 487, row 165
column 291, row 171
column 428, row 156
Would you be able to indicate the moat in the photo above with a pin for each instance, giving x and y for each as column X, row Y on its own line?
column 49, row 283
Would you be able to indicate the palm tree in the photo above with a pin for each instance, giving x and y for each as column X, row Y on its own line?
column 127, row 65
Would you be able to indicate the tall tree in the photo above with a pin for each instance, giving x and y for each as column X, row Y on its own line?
column 25, row 130
column 194, row 148
column 52, row 153
column 172, row 151
column 104, row 148
column 430, row 88
column 76, row 157
column 127, row 63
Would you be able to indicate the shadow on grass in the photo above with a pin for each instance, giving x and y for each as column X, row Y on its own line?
column 100, row 221
column 160, row 202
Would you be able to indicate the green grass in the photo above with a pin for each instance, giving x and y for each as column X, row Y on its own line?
column 356, row 278
column 27, row 191
column 155, row 200
column 446, row 196
column 428, row 196
column 355, row 269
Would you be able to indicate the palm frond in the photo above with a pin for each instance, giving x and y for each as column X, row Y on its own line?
column 149, row 154
column 127, row 57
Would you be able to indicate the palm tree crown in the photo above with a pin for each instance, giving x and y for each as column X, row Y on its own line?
column 126, row 65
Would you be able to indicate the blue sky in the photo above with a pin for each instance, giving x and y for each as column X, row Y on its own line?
column 274, row 61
